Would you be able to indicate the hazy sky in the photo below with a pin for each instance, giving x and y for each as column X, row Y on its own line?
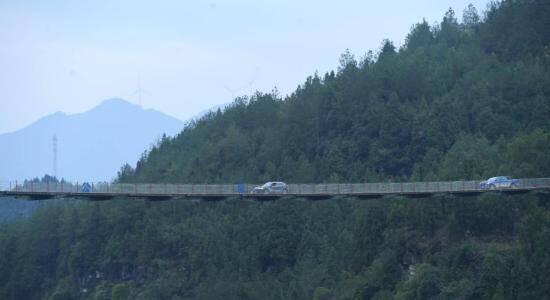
column 189, row 56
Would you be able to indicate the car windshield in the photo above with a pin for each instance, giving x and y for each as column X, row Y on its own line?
column 267, row 184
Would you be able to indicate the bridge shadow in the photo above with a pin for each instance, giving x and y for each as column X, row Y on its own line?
column 264, row 197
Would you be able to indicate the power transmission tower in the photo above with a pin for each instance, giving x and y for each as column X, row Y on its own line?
column 55, row 156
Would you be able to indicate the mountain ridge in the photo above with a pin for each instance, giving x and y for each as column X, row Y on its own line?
column 451, row 104
column 110, row 130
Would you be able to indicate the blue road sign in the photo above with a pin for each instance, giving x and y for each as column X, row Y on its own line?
column 241, row 188
column 86, row 187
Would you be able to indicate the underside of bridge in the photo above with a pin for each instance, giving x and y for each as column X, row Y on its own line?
column 154, row 197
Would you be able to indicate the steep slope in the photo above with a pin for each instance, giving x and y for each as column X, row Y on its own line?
column 457, row 101
column 91, row 145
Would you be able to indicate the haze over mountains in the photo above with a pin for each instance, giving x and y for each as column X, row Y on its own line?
column 92, row 146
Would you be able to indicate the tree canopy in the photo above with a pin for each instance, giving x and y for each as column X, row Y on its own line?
column 454, row 102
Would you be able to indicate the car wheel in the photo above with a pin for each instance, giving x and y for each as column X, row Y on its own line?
column 492, row 186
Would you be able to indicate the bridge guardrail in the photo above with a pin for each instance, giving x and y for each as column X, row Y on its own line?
column 236, row 189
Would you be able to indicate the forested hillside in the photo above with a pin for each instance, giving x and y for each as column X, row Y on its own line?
column 490, row 247
column 457, row 101
column 464, row 99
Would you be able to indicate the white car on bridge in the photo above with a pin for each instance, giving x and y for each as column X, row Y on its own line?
column 499, row 182
column 272, row 187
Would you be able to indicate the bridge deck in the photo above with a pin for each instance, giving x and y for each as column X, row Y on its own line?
column 105, row 191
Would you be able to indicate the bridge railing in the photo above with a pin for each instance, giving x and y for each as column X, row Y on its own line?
column 5, row 185
column 383, row 187
column 236, row 189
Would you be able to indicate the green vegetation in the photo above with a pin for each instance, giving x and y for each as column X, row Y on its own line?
column 489, row 247
column 458, row 101
column 461, row 100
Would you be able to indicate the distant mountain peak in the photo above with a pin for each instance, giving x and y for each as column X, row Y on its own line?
column 116, row 102
column 92, row 144
column 115, row 106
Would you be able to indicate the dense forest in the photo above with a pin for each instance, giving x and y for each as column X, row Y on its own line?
column 462, row 99
column 458, row 101
column 489, row 247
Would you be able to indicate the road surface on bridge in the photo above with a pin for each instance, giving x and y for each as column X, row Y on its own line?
column 155, row 191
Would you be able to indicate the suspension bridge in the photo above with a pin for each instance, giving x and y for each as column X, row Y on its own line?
column 99, row 191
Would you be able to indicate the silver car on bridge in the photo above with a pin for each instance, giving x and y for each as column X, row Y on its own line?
column 499, row 182
column 272, row 187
